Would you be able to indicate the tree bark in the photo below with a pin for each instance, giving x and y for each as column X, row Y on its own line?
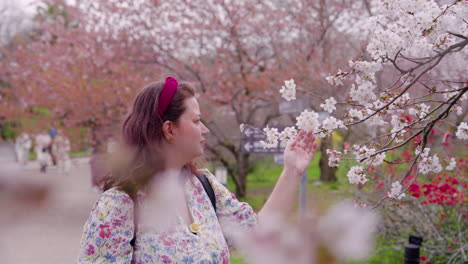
column 242, row 170
column 327, row 173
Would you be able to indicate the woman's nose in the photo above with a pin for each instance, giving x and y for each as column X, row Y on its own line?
column 205, row 130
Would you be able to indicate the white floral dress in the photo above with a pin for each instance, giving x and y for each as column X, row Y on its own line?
column 110, row 227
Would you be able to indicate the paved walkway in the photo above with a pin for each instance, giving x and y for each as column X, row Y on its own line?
column 49, row 231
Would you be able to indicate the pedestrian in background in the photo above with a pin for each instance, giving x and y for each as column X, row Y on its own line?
column 61, row 150
column 43, row 143
column 22, row 146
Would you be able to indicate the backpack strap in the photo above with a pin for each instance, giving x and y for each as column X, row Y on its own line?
column 135, row 222
column 206, row 185
column 208, row 189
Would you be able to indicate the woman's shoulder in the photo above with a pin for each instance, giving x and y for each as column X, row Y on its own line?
column 114, row 196
column 206, row 172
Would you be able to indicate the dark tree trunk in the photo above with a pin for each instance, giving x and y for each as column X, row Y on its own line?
column 327, row 173
column 242, row 170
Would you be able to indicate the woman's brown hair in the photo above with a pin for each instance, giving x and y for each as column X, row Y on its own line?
column 142, row 136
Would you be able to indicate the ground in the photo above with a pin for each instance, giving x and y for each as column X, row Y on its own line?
column 43, row 228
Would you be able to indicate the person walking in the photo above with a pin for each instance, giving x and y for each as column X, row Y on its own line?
column 61, row 150
column 42, row 144
column 22, row 146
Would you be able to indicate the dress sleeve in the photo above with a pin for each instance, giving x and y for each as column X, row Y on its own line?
column 108, row 231
column 228, row 208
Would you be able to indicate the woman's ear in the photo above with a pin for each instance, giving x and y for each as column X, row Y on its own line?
column 168, row 131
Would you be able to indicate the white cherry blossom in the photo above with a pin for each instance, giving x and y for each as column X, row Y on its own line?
column 288, row 91
column 452, row 165
column 308, row 120
column 329, row 105
column 356, row 175
column 396, row 191
column 462, row 131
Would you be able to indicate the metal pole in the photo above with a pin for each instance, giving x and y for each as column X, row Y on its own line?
column 303, row 194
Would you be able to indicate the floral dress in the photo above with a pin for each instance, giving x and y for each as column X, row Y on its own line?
column 110, row 227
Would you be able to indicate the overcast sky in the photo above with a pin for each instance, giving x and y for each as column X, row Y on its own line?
column 28, row 6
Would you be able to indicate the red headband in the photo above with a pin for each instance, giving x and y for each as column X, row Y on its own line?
column 166, row 95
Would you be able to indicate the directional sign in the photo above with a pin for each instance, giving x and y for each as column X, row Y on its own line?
column 254, row 146
column 251, row 141
column 253, row 133
column 295, row 106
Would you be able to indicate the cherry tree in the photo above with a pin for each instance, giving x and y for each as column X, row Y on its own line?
column 410, row 88
column 233, row 52
column 75, row 77
column 410, row 42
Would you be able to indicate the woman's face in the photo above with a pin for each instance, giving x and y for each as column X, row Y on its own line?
column 190, row 131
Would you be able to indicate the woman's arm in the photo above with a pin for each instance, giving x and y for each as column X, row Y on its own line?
column 297, row 157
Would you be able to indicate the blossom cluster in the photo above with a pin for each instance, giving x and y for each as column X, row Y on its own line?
column 289, row 133
column 452, row 164
column 308, row 120
column 272, row 136
column 368, row 155
column 337, row 79
column 396, row 191
column 462, row 131
column 403, row 33
column 356, row 175
column 414, row 28
column 288, row 91
column 329, row 105
column 427, row 163
column 334, row 157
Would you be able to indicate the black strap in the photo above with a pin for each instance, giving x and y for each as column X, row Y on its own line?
column 208, row 189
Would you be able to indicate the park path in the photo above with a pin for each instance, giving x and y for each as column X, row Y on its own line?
column 46, row 232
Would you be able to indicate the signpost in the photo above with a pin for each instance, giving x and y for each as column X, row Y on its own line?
column 251, row 144
column 289, row 107
column 251, row 141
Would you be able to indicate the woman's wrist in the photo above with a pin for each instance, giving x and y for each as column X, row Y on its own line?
column 292, row 172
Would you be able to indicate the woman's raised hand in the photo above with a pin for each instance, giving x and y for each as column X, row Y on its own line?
column 300, row 152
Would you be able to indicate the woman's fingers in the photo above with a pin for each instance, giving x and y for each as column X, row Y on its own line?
column 310, row 140
column 311, row 151
column 306, row 141
column 297, row 141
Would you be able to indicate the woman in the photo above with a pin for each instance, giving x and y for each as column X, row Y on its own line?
column 164, row 132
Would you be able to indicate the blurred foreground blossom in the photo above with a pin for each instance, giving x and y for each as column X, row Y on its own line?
column 272, row 241
column 345, row 232
column 160, row 207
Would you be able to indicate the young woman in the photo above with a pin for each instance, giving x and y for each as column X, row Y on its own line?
column 164, row 132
